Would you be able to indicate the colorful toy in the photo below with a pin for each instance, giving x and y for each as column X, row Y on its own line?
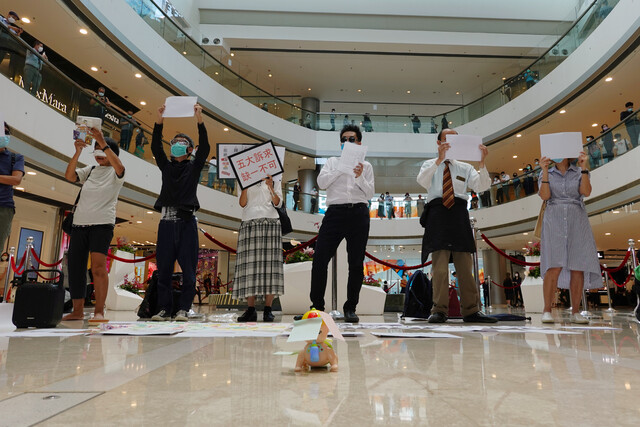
column 318, row 352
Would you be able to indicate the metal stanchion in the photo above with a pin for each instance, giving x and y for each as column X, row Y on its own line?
column 634, row 265
column 585, row 312
column 27, row 262
column 606, row 281
column 12, row 254
column 487, row 297
column 476, row 268
column 335, row 313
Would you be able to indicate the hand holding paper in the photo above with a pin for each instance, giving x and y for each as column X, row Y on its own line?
column 179, row 106
column 562, row 145
column 464, row 147
column 352, row 155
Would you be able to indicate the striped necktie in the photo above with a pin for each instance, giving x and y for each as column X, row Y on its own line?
column 447, row 187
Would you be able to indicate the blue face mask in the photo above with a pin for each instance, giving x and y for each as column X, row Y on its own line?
column 557, row 160
column 178, row 150
column 342, row 146
column 4, row 141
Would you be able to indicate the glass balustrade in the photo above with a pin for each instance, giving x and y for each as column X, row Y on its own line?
column 288, row 108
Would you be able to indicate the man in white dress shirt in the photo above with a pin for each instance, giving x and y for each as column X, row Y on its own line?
column 448, row 230
column 347, row 217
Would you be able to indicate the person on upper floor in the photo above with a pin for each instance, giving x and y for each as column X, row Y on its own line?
column 7, row 43
column 33, row 67
column 621, row 145
column 631, row 123
column 126, row 131
column 607, row 143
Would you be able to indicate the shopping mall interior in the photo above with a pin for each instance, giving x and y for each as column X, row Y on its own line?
column 294, row 73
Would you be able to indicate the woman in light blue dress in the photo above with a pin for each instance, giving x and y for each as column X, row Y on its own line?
column 568, row 250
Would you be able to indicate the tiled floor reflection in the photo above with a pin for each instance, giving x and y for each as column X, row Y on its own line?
column 521, row 379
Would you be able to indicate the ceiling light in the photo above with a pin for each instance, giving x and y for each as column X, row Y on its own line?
column 594, row 125
column 20, row 188
column 375, row 251
column 518, row 135
column 84, row 31
column 31, row 173
column 359, row 90
column 607, row 234
column 149, row 212
column 202, row 246
column 304, row 157
column 233, row 54
column 457, row 93
column 608, row 79
column 138, row 222
column 216, row 73
column 613, row 211
column 138, row 75
column 309, row 89
column 504, row 78
column 143, row 103
column 408, row 91
column 525, row 234
column 226, row 129
column 563, row 111
column 524, row 249
column 26, row 20
column 94, row 68
column 520, row 169
column 515, row 157
column 270, row 75
column 529, row 242
column 235, row 232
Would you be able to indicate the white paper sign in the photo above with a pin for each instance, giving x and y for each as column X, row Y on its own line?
column 280, row 152
column 563, row 145
column 253, row 165
column 464, row 147
column 179, row 106
column 352, row 154
column 225, row 171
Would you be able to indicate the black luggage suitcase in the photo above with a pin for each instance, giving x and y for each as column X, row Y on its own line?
column 39, row 304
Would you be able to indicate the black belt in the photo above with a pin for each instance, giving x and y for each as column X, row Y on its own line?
column 349, row 205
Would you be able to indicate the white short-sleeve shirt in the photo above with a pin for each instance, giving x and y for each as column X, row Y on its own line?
column 97, row 204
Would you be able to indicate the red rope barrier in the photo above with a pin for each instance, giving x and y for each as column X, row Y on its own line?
column 625, row 282
column 35, row 255
column 217, row 242
column 395, row 266
column 506, row 287
column 48, row 278
column 132, row 261
column 15, row 269
column 301, row 246
column 620, row 267
column 510, row 258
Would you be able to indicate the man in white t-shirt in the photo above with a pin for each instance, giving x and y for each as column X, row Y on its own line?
column 93, row 222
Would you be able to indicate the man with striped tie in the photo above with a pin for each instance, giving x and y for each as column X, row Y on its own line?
column 448, row 231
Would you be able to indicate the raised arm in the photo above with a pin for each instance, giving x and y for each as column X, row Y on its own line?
column 585, row 180
column 156, row 141
column 70, row 174
column 113, row 159
column 203, row 140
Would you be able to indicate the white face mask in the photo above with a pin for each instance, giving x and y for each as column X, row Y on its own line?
column 11, row 20
column 99, row 153
column 40, row 49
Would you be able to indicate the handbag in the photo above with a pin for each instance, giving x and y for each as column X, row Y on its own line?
column 538, row 230
column 285, row 221
column 67, row 223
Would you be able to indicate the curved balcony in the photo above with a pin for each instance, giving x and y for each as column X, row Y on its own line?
column 287, row 109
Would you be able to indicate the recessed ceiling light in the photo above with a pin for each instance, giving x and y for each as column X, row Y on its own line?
column 138, row 75
column 20, row 188
column 594, row 125
column 525, row 234
column 504, row 78
column 149, row 212
column 184, row 52
column 94, row 68
column 309, row 89
column 408, row 91
column 31, row 173
column 138, row 222
column 359, row 90
column 26, row 20
column 515, row 157
column 375, row 251
column 524, row 249
column 529, row 242
column 304, row 157
column 143, row 103
column 202, row 246
column 233, row 54
column 457, row 93
column 270, row 75
column 216, row 73
column 83, row 31
column 520, row 169
column 518, row 135
column 607, row 234
column 226, row 129
column 613, row 211
column 608, row 79
column 235, row 232
column 563, row 111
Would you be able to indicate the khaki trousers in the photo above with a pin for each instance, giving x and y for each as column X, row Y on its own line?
column 469, row 297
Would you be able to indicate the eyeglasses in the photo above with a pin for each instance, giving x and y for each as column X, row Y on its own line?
column 179, row 141
column 350, row 139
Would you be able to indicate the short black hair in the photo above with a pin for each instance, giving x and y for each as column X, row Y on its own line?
column 629, row 104
column 7, row 129
column 440, row 133
column 590, row 136
column 352, row 128
column 112, row 144
column 182, row 135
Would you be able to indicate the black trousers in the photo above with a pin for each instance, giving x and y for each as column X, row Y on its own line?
column 177, row 241
column 351, row 223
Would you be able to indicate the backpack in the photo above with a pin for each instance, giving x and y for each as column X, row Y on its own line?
column 418, row 297
column 149, row 305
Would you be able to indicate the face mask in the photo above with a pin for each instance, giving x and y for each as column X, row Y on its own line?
column 129, row 115
column 178, row 150
column 589, row 139
column 4, row 141
column 40, row 49
column 557, row 160
column 11, row 20
column 605, row 128
column 342, row 146
column 101, row 93
column 536, row 163
column 99, row 153
column 630, row 110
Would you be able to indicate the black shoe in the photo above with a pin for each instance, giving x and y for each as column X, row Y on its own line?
column 298, row 317
column 350, row 316
column 479, row 317
column 267, row 315
column 249, row 316
column 437, row 317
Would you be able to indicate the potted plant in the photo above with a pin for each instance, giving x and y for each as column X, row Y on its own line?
column 370, row 281
column 132, row 285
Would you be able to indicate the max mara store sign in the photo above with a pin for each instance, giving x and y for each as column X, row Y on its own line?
column 49, row 98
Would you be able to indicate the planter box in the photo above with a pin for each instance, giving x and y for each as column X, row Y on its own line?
column 117, row 298
column 532, row 290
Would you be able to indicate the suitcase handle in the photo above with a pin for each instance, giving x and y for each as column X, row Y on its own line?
column 23, row 278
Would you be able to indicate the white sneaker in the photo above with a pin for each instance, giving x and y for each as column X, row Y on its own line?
column 579, row 319
column 181, row 316
column 547, row 318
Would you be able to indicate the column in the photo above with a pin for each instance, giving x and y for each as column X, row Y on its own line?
column 495, row 266
column 307, row 180
column 310, row 106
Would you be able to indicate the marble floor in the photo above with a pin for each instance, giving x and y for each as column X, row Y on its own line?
column 591, row 377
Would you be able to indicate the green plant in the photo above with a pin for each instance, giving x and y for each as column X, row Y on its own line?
column 533, row 249
column 303, row 255
column 134, row 286
column 122, row 244
column 534, row 272
column 369, row 280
